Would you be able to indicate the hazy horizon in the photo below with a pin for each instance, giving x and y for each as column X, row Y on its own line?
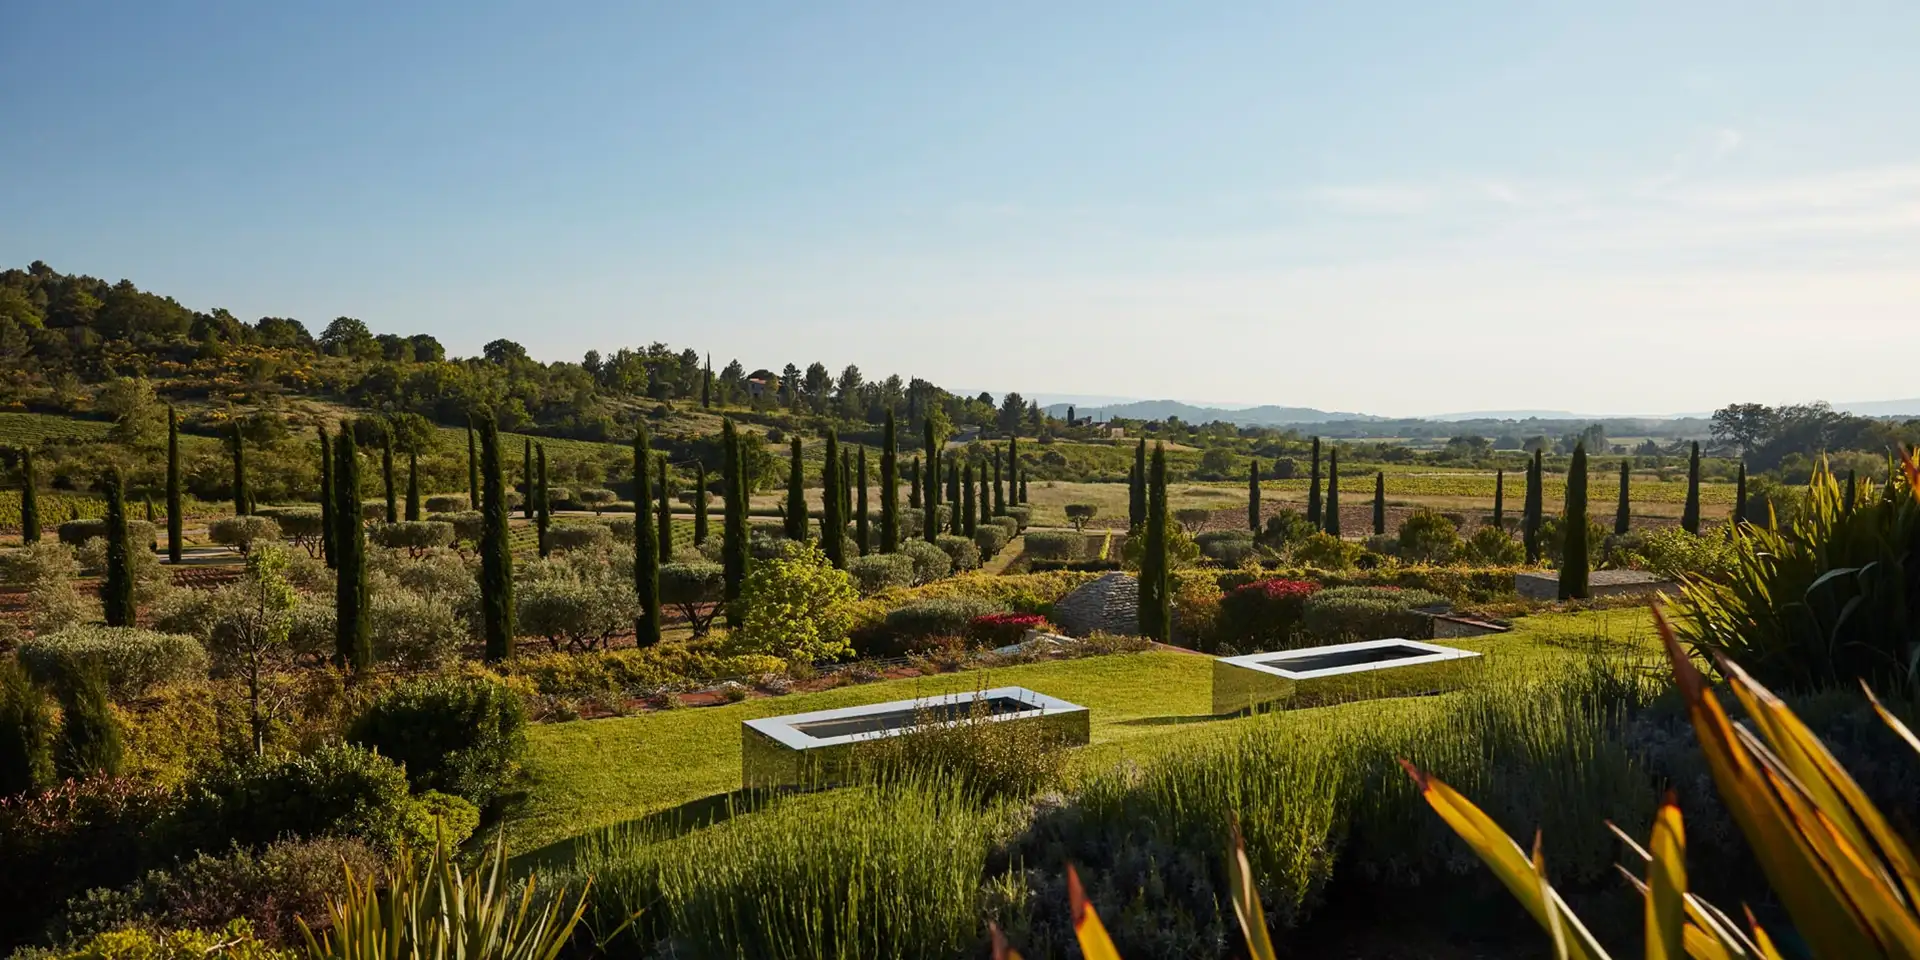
column 1397, row 210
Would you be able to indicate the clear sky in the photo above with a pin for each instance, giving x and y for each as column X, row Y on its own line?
column 1398, row 208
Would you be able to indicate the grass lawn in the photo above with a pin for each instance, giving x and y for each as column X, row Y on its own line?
column 590, row 774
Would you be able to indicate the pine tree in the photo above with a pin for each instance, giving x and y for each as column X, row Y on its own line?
column 1623, row 511
column 913, row 484
column 930, row 476
column 542, row 504
column 968, row 524
column 1500, row 500
column 1573, row 523
column 733, row 520
column 1156, row 612
column 999, row 488
column 665, row 511
column 327, row 498
column 473, row 469
column 646, row 540
column 89, row 733
column 386, row 476
column 116, row 591
column 889, row 488
column 1740, row 496
column 240, row 498
column 833, row 523
column 1690, row 515
column 1137, row 487
column 1530, row 512
column 413, row 487
column 796, row 526
column 176, row 517
column 1253, row 494
column 699, row 503
column 30, row 497
column 1313, row 487
column 526, row 478
column 1332, row 514
column 1379, row 503
column 26, row 733
column 352, row 630
column 862, row 525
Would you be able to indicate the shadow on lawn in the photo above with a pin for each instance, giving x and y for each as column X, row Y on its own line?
column 659, row 825
column 1172, row 721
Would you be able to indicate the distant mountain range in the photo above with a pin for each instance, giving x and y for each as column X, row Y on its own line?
column 1272, row 415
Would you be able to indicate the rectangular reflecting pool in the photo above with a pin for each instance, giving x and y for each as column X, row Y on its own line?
column 1315, row 676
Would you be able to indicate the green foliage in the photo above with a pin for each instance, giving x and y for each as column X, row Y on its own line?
column 116, row 588
column 334, row 791
column 1079, row 513
column 1575, row 536
column 496, row 552
column 1674, row 553
column 414, row 536
column 936, row 617
column 457, row 736
column 1428, row 537
column 1229, row 548
column 89, row 742
column 990, row 539
column 353, row 640
column 575, row 535
column 988, row 761
column 1494, row 547
column 130, row 661
column 883, row 571
column 962, row 551
column 1368, row 613
column 234, row 941
column 930, row 563
column 796, row 607
column 243, row 532
column 646, row 544
column 26, row 733
column 1055, row 545
column 1326, row 551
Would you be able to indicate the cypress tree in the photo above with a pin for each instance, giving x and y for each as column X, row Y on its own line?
column 327, row 498
column 1156, row 611
column 1690, row 515
column 699, row 503
column 176, row 517
column 930, row 476
column 239, row 473
column 116, row 591
column 862, row 525
column 833, row 522
column 1013, row 469
column 1530, row 511
column 1332, row 513
column 542, row 505
column 89, row 734
column 526, row 478
column 26, row 733
column 30, row 497
column 665, row 510
column 352, row 637
column 646, row 542
column 1023, row 488
column 999, row 488
column 1623, row 512
column 496, row 550
column 796, row 494
column 152, row 518
column 413, row 487
column 1137, row 489
column 1500, row 500
column 985, row 511
column 1313, row 487
column 846, row 485
column 1573, row 523
column 386, row 476
column 968, row 524
column 473, row 470
column 1379, row 503
column 733, row 520
column 1740, row 496
column 957, row 520
column 889, row 488
column 913, row 484
column 1253, row 494
column 706, row 385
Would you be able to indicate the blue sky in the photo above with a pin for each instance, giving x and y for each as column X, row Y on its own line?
column 1397, row 208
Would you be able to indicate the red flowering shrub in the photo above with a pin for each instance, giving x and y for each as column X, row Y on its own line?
column 1264, row 614
column 1001, row 629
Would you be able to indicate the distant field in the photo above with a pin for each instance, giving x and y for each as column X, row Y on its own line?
column 32, row 429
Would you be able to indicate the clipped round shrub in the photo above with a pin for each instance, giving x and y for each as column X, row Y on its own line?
column 1056, row 545
column 1264, row 614
column 301, row 525
column 1079, row 514
column 698, row 589
column 580, row 536
column 76, row 533
column 448, row 503
column 373, row 511
column 1227, row 547
column 456, row 735
column 1009, row 524
column 1021, row 515
column 466, row 524
column 1192, row 518
column 937, row 617
column 930, row 563
column 622, row 529
column 1369, row 613
column 414, row 536
column 596, row 498
column 961, row 550
column 131, row 660
column 880, row 571
column 1428, row 537
column 335, row 791
column 990, row 539
column 1492, row 546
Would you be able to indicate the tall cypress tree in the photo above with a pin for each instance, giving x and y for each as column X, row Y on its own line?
column 352, row 631
column 706, row 384
column 699, row 503
column 1332, row 513
column 1573, row 523
column 496, row 550
column 26, row 733
column 846, row 485
column 1740, row 496
column 473, row 469
column 1623, row 511
column 1156, row 612
column 665, row 510
column 386, row 476
column 733, row 521
column 913, row 484
column 968, row 524
column 526, row 478
column 889, row 488
column 833, row 522
column 1313, row 487
column 646, row 542
column 796, row 526
column 1137, row 490
column 1530, row 511
column 1013, row 469
column 862, row 525
column 413, row 487
column 328, row 518
column 1023, row 488
column 89, row 734
column 176, row 517
column 116, row 592
column 1500, row 500
column 30, row 497
column 1690, row 515
column 542, row 504
column 985, row 514
column 957, row 524
column 1379, row 503
column 1253, row 494
column 151, row 520
column 241, row 506
column 999, row 488
column 930, row 477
